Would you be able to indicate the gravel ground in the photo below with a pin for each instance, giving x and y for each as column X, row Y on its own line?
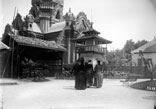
column 60, row 94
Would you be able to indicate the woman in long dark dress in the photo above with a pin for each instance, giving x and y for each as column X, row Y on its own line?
column 74, row 71
column 80, row 75
column 89, row 71
column 98, row 75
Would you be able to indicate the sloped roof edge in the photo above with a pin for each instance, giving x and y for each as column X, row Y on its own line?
column 3, row 46
column 148, row 47
column 57, row 27
column 35, row 28
column 35, row 42
column 105, row 41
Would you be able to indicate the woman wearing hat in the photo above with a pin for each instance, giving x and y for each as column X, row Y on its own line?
column 98, row 75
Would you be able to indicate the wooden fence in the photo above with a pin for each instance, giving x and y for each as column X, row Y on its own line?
column 141, row 70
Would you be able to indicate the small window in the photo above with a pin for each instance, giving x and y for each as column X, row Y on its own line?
column 84, row 43
column 58, row 15
column 30, row 25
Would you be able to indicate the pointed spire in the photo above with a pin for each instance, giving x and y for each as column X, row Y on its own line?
column 69, row 10
column 91, row 25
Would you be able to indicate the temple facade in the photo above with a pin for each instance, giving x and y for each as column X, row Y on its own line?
column 46, row 17
column 46, row 36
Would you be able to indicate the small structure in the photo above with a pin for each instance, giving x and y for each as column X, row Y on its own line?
column 37, row 51
column 148, row 52
column 90, row 45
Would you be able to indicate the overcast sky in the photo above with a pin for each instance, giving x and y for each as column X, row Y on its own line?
column 116, row 20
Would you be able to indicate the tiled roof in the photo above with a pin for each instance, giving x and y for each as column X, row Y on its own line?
column 3, row 46
column 57, row 27
column 149, row 47
column 91, row 30
column 35, row 28
column 105, row 41
column 35, row 42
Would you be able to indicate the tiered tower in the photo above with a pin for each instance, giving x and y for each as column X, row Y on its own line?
column 47, row 12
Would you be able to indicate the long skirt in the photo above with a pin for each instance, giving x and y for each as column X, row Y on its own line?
column 80, row 82
column 89, row 79
column 98, row 80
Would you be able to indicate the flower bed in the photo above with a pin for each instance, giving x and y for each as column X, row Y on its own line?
column 146, row 85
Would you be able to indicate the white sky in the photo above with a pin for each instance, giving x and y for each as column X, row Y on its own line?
column 116, row 20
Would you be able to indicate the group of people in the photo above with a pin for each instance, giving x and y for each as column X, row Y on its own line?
column 86, row 76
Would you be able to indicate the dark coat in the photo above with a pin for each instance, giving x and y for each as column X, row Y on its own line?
column 80, row 77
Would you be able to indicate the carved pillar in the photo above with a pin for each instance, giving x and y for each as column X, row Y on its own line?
column 73, row 52
column 68, row 46
column 44, row 24
column 69, row 50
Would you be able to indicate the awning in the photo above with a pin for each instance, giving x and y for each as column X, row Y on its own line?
column 94, row 58
column 35, row 42
column 89, row 56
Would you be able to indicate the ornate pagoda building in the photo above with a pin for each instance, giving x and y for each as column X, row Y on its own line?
column 45, row 37
column 91, row 46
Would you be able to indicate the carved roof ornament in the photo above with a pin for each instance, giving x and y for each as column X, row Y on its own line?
column 17, row 22
column 34, row 10
column 69, row 16
column 35, row 2
column 82, row 23
column 60, row 2
column 30, row 18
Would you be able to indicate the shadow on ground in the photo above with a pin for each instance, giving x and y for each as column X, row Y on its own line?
column 8, row 83
column 69, row 88
column 150, row 97
column 40, row 80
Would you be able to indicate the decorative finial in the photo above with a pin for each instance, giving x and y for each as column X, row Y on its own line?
column 91, row 24
column 69, row 10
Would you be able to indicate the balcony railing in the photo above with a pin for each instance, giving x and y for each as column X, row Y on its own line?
column 92, row 48
column 46, row 5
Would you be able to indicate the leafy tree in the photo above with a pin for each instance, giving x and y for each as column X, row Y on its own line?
column 139, row 44
column 114, row 57
column 129, row 46
column 8, row 29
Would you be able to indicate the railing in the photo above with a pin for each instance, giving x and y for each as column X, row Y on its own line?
column 44, row 15
column 46, row 5
column 92, row 48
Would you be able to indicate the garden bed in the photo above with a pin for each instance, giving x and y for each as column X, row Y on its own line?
column 146, row 85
